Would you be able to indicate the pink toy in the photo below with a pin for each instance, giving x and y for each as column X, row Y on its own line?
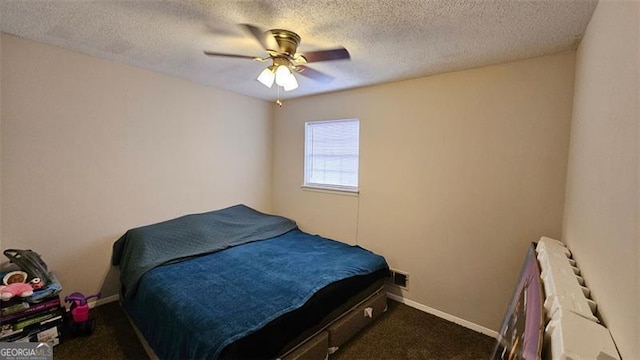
column 15, row 289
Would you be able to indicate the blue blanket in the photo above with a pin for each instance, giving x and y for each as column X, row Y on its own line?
column 193, row 309
column 141, row 249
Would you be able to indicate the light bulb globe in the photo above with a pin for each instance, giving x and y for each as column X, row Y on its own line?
column 282, row 75
column 291, row 83
column 267, row 77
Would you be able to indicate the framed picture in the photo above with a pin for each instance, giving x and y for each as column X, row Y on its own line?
column 522, row 330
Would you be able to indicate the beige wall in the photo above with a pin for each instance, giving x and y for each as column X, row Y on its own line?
column 458, row 174
column 602, row 207
column 91, row 148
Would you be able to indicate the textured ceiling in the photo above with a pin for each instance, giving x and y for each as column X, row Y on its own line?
column 389, row 40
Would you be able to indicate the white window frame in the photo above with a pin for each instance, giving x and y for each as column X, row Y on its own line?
column 307, row 185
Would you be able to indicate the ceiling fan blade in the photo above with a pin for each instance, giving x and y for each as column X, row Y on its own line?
column 266, row 39
column 314, row 74
column 326, row 55
column 211, row 53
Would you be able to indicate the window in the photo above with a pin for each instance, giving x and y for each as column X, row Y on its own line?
column 331, row 152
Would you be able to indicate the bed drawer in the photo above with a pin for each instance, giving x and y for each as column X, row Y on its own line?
column 313, row 349
column 343, row 329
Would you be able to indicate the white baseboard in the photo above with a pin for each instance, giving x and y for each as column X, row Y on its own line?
column 103, row 301
column 444, row 315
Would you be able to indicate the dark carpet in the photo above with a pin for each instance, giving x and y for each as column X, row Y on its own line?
column 400, row 333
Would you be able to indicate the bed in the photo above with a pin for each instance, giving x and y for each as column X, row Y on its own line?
column 236, row 283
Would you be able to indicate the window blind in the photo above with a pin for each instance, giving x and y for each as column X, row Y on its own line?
column 332, row 154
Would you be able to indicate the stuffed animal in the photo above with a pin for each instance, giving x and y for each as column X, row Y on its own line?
column 15, row 289
column 15, row 284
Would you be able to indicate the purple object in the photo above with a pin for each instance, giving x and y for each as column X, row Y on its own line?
column 79, row 306
column 522, row 329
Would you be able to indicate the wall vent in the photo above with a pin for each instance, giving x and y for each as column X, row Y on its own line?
column 398, row 278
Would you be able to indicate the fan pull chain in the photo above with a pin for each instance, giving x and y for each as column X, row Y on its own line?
column 278, row 102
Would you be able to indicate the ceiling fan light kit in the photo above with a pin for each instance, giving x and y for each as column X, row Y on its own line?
column 282, row 45
column 282, row 76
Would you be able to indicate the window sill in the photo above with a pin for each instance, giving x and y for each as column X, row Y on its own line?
column 331, row 190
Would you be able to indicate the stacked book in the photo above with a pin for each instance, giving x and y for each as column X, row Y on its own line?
column 21, row 321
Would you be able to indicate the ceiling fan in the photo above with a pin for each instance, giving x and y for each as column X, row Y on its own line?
column 281, row 46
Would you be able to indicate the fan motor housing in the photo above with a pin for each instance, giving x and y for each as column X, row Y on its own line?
column 287, row 40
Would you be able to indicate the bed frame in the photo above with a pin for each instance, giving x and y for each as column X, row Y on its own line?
column 330, row 334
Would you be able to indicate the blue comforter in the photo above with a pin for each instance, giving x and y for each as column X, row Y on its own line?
column 141, row 249
column 193, row 309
